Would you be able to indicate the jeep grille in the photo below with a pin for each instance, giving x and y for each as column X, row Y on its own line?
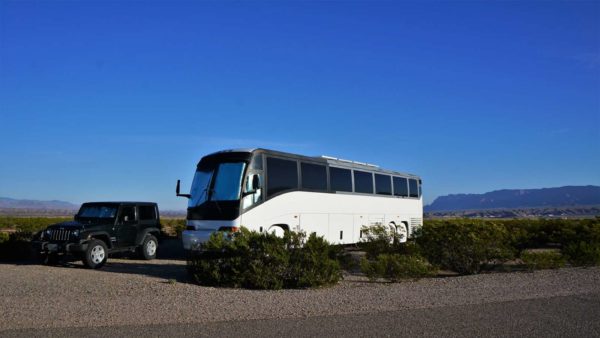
column 60, row 234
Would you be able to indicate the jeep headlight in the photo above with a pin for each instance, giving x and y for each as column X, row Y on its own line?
column 75, row 233
column 47, row 233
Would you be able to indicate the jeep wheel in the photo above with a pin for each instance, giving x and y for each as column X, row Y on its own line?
column 148, row 249
column 96, row 254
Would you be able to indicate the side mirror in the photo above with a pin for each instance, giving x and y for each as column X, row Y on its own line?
column 254, row 181
column 177, row 189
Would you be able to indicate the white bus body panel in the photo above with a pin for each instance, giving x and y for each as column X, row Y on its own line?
column 327, row 214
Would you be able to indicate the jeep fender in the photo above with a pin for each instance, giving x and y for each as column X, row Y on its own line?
column 142, row 234
column 102, row 235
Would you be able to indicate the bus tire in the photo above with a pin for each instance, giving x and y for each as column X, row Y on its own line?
column 402, row 232
column 277, row 230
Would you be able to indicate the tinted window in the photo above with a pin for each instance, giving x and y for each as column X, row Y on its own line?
column 257, row 162
column 128, row 212
column 413, row 188
column 363, row 182
column 400, row 186
column 340, row 179
column 147, row 212
column 282, row 175
column 99, row 211
column 383, row 184
column 314, row 176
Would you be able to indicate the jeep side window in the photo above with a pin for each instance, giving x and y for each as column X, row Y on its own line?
column 147, row 212
column 127, row 214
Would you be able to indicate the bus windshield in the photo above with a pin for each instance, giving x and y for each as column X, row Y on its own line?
column 217, row 182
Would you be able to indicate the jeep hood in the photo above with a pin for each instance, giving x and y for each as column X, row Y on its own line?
column 72, row 225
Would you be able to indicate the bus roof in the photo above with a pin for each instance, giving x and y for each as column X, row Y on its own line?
column 333, row 161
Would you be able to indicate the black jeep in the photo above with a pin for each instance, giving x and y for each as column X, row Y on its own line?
column 102, row 228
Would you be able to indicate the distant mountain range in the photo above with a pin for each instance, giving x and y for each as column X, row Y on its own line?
column 18, row 207
column 569, row 196
column 567, row 200
column 11, row 203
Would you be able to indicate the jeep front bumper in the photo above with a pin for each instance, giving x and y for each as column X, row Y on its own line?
column 58, row 247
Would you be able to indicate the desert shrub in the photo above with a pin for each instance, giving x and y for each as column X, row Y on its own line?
column 464, row 247
column 173, row 226
column 378, row 240
column 386, row 257
column 381, row 239
column 29, row 224
column 580, row 242
column 578, row 239
column 17, row 246
column 582, row 253
column 264, row 261
column 313, row 264
column 396, row 267
column 536, row 260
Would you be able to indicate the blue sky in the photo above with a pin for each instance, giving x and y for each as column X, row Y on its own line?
column 117, row 100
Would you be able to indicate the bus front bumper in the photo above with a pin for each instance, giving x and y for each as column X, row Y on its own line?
column 193, row 238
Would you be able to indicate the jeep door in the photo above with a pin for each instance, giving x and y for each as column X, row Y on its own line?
column 127, row 226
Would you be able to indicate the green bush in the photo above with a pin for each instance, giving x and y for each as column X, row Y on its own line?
column 378, row 240
column 396, row 267
column 17, row 246
column 582, row 253
column 173, row 226
column 264, row 261
column 386, row 257
column 4, row 237
column 578, row 239
column 464, row 247
column 29, row 224
column 313, row 264
column 536, row 260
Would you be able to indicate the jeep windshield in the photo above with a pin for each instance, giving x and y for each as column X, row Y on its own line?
column 98, row 211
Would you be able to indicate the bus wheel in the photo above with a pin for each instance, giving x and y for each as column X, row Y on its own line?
column 277, row 231
column 402, row 233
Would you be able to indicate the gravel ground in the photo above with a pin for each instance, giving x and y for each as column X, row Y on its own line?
column 133, row 292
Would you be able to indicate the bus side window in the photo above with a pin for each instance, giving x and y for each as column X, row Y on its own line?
column 413, row 188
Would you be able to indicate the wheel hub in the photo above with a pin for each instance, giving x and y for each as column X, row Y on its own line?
column 98, row 254
column 151, row 248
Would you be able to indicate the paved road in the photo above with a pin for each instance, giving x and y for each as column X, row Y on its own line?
column 568, row 316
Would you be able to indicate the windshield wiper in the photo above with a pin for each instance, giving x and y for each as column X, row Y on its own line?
column 212, row 192
column 203, row 192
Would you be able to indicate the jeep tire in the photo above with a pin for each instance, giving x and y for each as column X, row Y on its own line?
column 149, row 247
column 96, row 254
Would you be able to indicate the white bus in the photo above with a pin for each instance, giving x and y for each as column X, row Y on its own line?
column 271, row 191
